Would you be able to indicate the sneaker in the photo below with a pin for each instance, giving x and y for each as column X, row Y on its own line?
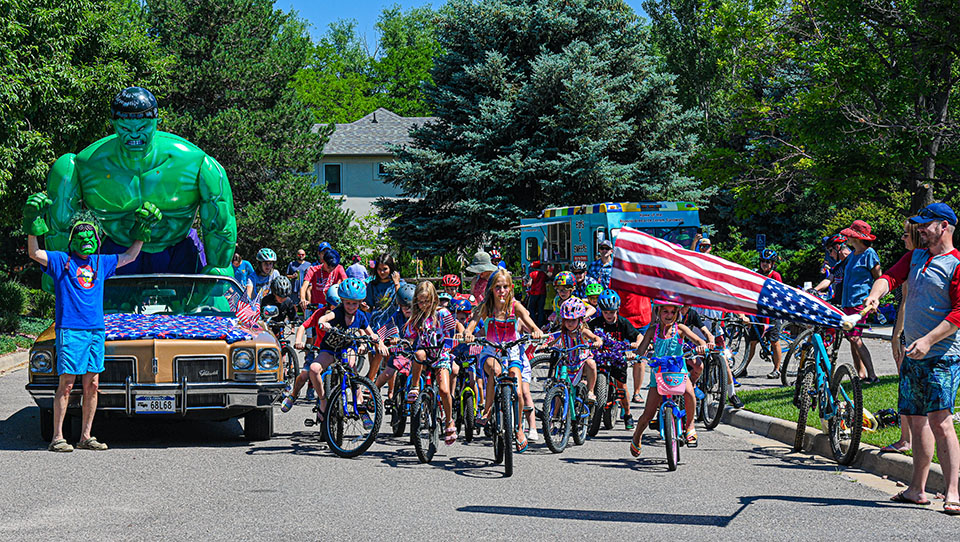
column 532, row 435
column 311, row 395
column 773, row 374
column 736, row 402
column 628, row 422
column 698, row 393
column 367, row 422
column 736, row 383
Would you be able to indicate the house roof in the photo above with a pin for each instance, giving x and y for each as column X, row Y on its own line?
column 371, row 134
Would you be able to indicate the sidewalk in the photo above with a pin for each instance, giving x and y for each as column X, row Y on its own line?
column 890, row 465
column 878, row 332
column 13, row 361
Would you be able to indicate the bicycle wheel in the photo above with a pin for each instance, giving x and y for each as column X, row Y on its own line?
column 846, row 425
column 734, row 338
column 554, row 421
column 713, row 383
column 353, row 417
column 741, row 361
column 608, row 417
column 581, row 415
column 290, row 363
column 796, row 356
column 805, row 385
column 539, row 376
column 469, row 405
column 424, row 425
column 670, row 438
column 507, row 429
column 600, row 408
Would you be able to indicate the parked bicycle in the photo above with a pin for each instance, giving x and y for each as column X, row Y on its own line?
column 743, row 356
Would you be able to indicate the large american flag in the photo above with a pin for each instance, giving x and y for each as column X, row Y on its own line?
column 651, row 267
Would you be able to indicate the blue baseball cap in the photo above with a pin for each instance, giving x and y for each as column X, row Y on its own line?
column 323, row 246
column 935, row 211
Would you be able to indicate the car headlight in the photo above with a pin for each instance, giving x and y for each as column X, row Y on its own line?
column 41, row 362
column 268, row 359
column 242, row 359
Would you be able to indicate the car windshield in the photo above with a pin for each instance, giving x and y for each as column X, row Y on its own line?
column 194, row 295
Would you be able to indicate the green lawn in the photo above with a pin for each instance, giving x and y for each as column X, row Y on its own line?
column 778, row 402
column 29, row 329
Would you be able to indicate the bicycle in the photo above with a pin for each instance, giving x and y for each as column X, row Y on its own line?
column 613, row 354
column 713, row 386
column 354, row 406
column 801, row 351
column 766, row 353
column 565, row 408
column 837, row 396
column 671, row 383
column 504, row 415
column 288, row 356
column 397, row 406
column 426, row 412
column 466, row 400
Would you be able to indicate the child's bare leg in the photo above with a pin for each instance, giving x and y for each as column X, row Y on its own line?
column 650, row 407
column 445, row 396
column 515, row 372
column 492, row 368
column 690, row 404
column 590, row 371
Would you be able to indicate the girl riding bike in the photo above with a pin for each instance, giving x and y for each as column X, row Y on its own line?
column 573, row 332
column 564, row 283
column 667, row 338
column 502, row 317
column 428, row 326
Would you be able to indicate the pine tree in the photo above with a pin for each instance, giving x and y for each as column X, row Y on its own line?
column 539, row 103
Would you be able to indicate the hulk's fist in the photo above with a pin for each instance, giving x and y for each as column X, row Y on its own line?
column 33, row 211
column 147, row 215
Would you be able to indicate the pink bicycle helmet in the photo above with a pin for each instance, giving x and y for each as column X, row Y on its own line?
column 572, row 309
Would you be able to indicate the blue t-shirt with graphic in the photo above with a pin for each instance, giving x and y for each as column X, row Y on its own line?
column 857, row 279
column 78, row 286
column 243, row 273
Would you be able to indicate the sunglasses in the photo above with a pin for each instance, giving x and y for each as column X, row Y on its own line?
column 604, row 249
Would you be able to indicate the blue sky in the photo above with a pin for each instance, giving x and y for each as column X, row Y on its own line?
column 365, row 12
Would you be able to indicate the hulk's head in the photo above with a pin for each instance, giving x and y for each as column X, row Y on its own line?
column 134, row 115
column 84, row 234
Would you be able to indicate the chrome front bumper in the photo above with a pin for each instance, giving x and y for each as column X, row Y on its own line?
column 242, row 395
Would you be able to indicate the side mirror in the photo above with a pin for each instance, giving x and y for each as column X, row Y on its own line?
column 270, row 311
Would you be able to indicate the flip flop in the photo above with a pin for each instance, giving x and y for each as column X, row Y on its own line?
column 892, row 448
column 903, row 499
column 521, row 442
column 637, row 398
column 951, row 508
column 635, row 448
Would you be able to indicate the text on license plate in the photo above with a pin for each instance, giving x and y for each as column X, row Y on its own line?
column 155, row 404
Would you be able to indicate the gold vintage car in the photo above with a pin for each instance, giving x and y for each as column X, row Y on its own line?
column 175, row 348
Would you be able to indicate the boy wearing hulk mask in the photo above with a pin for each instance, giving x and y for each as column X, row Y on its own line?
column 78, row 285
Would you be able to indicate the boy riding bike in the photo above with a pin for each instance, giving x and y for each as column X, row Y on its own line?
column 617, row 328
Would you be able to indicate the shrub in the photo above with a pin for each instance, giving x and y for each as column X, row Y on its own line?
column 13, row 303
column 42, row 304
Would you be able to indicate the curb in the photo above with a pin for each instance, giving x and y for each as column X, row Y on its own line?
column 891, row 465
column 12, row 361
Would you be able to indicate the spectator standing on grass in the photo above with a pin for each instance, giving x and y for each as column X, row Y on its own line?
column 861, row 269
column 296, row 269
column 930, row 372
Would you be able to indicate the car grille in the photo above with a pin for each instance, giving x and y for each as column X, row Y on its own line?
column 202, row 369
column 117, row 369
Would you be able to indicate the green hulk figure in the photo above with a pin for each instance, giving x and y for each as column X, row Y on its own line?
column 116, row 175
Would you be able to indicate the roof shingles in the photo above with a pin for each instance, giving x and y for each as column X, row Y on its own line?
column 372, row 134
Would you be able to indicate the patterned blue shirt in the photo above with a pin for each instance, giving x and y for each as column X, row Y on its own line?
column 600, row 271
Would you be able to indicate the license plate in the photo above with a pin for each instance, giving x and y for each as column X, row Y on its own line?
column 155, row 404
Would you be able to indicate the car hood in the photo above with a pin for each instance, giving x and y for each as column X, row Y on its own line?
column 120, row 327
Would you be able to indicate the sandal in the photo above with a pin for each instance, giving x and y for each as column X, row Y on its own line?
column 91, row 444
column 951, row 508
column 635, row 448
column 412, row 395
column 903, row 499
column 451, row 434
column 287, row 403
column 692, row 438
column 521, row 442
column 892, row 448
column 591, row 398
column 60, row 445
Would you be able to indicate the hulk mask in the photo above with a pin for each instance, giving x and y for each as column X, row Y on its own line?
column 84, row 240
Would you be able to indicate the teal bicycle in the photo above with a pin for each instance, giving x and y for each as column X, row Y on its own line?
column 565, row 407
column 835, row 392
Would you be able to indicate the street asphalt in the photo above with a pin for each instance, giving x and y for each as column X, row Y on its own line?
column 165, row 480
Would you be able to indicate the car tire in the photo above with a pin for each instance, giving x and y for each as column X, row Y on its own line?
column 258, row 424
column 46, row 424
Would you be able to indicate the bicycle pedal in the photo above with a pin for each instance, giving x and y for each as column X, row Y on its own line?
column 309, row 423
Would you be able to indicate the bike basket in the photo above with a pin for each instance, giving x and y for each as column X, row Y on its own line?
column 402, row 364
column 670, row 383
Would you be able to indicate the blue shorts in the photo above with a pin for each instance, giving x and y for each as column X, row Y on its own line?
column 80, row 351
column 928, row 385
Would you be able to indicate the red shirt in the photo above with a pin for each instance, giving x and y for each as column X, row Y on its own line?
column 320, row 280
column 636, row 309
column 538, row 282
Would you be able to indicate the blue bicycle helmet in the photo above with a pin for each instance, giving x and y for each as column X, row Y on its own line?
column 333, row 295
column 768, row 254
column 462, row 305
column 352, row 289
column 331, row 257
column 405, row 294
column 609, row 300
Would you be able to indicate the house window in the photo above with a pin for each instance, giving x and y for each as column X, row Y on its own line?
column 331, row 176
column 381, row 170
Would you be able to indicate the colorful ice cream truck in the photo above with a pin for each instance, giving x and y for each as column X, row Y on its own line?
column 563, row 235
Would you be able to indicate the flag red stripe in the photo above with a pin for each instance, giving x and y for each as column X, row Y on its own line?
column 656, row 293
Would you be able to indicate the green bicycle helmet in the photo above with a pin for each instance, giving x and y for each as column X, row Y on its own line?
column 593, row 289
